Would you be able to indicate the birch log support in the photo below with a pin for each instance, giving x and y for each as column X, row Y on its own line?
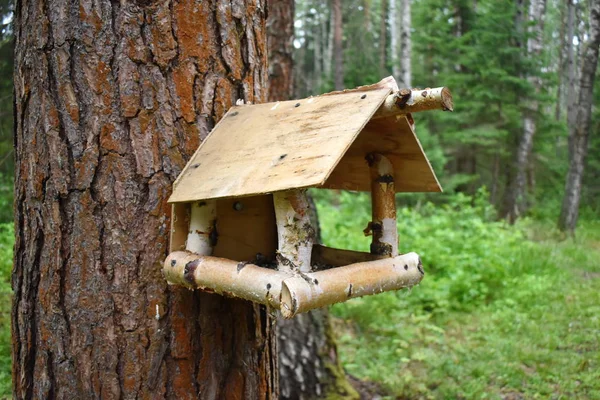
column 295, row 232
column 383, row 203
column 406, row 101
column 226, row 277
column 318, row 289
column 202, row 236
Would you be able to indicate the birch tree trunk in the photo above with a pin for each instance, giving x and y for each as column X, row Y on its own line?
column 338, row 51
column 394, row 46
column 383, row 39
column 405, row 45
column 517, row 202
column 111, row 100
column 580, row 123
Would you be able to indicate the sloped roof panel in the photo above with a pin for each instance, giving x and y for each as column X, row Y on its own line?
column 265, row 148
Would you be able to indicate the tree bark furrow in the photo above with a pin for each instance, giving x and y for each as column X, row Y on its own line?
column 111, row 100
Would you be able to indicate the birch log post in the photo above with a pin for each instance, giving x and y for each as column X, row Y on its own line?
column 226, row 277
column 318, row 289
column 294, row 231
column 202, row 235
column 383, row 203
column 405, row 101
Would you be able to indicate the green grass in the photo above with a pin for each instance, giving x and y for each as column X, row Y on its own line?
column 6, row 252
column 503, row 312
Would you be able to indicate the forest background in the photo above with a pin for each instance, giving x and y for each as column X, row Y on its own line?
column 510, row 303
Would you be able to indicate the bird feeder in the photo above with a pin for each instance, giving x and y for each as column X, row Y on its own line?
column 240, row 222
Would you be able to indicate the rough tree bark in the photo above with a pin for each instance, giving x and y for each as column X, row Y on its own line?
column 516, row 203
column 338, row 51
column 580, row 123
column 309, row 366
column 280, row 28
column 111, row 100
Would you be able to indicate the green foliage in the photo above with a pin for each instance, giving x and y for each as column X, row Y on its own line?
column 6, row 257
column 502, row 311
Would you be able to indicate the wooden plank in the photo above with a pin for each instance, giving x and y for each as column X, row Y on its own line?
column 394, row 138
column 323, row 256
column 245, row 228
column 276, row 146
column 180, row 225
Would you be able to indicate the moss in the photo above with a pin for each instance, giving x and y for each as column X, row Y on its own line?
column 337, row 386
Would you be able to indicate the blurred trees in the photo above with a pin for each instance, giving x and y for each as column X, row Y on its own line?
column 473, row 46
column 512, row 68
column 6, row 115
column 580, row 120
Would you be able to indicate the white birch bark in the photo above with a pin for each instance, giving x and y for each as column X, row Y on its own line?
column 203, row 221
column 580, row 123
column 294, row 231
column 405, row 45
column 323, row 288
column 516, row 204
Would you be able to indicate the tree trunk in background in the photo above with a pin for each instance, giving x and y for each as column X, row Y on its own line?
column 328, row 54
column 309, row 367
column 561, row 62
column 516, row 195
column 579, row 129
column 405, row 45
column 280, row 36
column 338, row 51
column 383, row 40
column 571, row 64
column 394, row 36
column 111, row 100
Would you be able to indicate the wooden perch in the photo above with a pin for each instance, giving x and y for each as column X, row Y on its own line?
column 383, row 201
column 225, row 277
column 328, row 256
column 407, row 101
column 319, row 289
column 294, row 231
column 202, row 235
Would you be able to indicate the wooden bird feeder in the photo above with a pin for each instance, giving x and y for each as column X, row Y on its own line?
column 240, row 221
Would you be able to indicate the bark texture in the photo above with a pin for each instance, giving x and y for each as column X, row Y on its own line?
column 280, row 27
column 579, row 120
column 516, row 202
column 308, row 361
column 111, row 100
column 405, row 76
column 383, row 38
column 338, row 50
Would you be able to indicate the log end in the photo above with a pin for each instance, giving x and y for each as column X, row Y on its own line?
column 446, row 100
column 179, row 267
column 288, row 302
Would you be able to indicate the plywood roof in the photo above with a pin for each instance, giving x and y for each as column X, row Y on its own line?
column 320, row 141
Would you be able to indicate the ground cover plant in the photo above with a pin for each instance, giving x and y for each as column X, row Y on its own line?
column 503, row 312
column 6, row 251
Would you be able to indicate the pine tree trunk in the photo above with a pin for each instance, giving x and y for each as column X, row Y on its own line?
column 111, row 100
column 280, row 27
column 516, row 203
column 580, row 123
column 308, row 364
column 405, row 45
column 338, row 56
